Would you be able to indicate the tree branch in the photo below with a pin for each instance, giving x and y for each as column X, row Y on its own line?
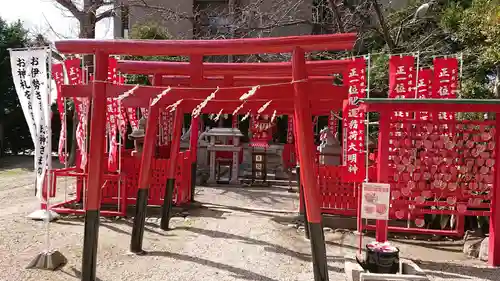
column 338, row 19
column 383, row 25
column 70, row 6
column 106, row 14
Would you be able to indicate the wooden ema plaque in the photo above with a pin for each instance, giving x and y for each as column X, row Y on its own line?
column 259, row 167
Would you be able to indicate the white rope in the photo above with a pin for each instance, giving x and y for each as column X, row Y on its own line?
column 160, row 96
column 210, row 88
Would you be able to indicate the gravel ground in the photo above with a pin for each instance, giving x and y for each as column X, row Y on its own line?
column 234, row 237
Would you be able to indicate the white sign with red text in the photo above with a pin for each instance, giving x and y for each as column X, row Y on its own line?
column 375, row 201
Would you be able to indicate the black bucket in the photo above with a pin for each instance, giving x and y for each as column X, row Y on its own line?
column 378, row 261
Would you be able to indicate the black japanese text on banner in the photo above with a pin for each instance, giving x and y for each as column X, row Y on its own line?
column 29, row 72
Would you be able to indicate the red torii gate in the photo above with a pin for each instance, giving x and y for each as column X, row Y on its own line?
column 302, row 103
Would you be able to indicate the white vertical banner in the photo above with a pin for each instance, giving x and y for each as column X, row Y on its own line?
column 32, row 82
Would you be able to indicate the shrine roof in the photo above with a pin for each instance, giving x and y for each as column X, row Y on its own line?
column 242, row 46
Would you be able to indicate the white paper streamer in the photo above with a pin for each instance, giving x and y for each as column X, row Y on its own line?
column 249, row 93
column 174, row 106
column 238, row 108
column 218, row 116
column 274, row 116
column 160, row 96
column 246, row 116
column 264, row 107
column 196, row 112
column 127, row 93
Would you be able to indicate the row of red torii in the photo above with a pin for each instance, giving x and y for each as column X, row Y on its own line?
column 300, row 94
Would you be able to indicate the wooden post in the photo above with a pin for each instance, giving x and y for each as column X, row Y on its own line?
column 305, row 145
column 382, row 172
column 95, row 168
column 145, row 175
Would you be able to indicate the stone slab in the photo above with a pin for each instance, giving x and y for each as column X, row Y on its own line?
column 411, row 272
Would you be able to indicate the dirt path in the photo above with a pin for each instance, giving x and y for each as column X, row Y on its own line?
column 235, row 237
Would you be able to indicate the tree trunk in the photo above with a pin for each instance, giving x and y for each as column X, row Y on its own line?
column 338, row 16
column 383, row 25
column 87, row 30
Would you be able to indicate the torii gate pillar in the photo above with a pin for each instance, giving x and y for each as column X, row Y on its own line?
column 305, row 144
column 95, row 169
column 196, row 80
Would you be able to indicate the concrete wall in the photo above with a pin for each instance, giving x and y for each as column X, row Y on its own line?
column 264, row 14
column 167, row 15
column 281, row 11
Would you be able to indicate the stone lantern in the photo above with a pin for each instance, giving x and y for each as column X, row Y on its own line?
column 137, row 136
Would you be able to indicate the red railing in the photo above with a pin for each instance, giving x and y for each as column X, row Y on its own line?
column 121, row 189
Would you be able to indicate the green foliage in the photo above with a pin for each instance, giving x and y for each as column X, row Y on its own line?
column 12, row 121
column 149, row 31
column 449, row 28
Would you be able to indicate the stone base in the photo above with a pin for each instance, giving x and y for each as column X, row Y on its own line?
column 39, row 215
column 234, row 182
column 483, row 249
column 51, row 260
column 409, row 271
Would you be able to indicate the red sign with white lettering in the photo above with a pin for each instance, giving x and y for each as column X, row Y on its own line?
column 353, row 125
column 445, row 82
column 401, row 80
column 424, row 90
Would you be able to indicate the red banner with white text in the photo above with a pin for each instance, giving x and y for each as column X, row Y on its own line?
column 112, row 119
column 166, row 122
column 401, row 80
column 58, row 76
column 289, row 134
column 445, row 83
column 75, row 76
column 353, row 122
column 424, row 90
column 333, row 123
